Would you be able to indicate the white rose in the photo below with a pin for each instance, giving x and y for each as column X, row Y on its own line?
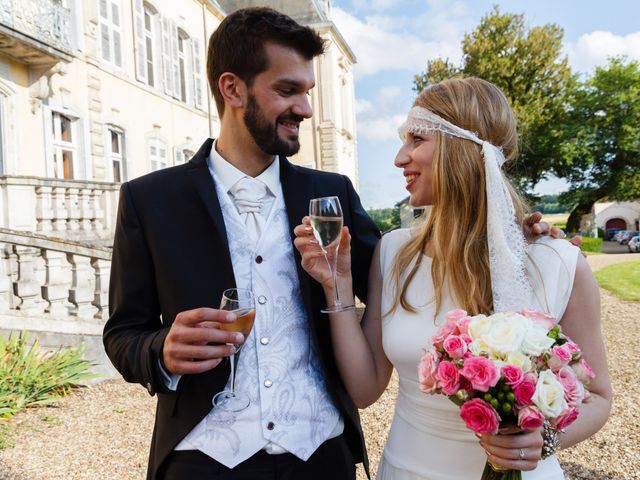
column 536, row 341
column 549, row 395
column 520, row 360
column 480, row 348
column 506, row 334
column 479, row 325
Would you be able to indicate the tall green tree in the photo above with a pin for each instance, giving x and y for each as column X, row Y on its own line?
column 602, row 146
column 528, row 65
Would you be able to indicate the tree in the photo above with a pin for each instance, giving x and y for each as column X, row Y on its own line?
column 527, row 64
column 385, row 218
column 602, row 146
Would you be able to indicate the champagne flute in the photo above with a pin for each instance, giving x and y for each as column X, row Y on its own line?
column 239, row 301
column 326, row 221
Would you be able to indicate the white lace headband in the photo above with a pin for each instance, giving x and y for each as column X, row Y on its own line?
column 507, row 247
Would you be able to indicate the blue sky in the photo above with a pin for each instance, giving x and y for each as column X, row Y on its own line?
column 393, row 39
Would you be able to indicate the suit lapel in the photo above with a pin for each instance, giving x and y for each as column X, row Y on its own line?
column 298, row 189
column 201, row 177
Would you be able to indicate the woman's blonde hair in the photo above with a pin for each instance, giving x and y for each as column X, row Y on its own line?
column 455, row 231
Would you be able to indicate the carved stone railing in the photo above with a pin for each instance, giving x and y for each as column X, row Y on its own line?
column 42, row 275
column 69, row 209
column 45, row 21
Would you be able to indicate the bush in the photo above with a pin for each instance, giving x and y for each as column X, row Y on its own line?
column 590, row 244
column 29, row 377
column 601, row 233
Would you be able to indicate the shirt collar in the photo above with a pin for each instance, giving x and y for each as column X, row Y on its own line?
column 228, row 175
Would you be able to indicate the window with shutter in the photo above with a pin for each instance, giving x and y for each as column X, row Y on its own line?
column 167, row 67
column 157, row 154
column 184, row 55
column 115, row 150
column 197, row 74
column 64, row 145
column 110, row 32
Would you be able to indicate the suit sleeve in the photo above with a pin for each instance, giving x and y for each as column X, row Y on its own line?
column 364, row 238
column 134, row 335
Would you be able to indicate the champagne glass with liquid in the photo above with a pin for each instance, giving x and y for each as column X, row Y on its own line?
column 239, row 301
column 326, row 221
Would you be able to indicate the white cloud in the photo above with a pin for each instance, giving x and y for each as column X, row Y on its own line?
column 593, row 49
column 363, row 106
column 377, row 5
column 385, row 43
column 380, row 129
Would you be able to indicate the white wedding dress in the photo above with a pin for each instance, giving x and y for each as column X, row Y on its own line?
column 428, row 440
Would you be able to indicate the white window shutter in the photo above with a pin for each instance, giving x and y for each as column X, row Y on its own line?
column 179, row 156
column 141, row 56
column 167, row 67
column 105, row 42
column 197, row 73
column 175, row 61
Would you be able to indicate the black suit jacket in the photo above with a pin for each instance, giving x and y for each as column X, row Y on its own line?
column 170, row 254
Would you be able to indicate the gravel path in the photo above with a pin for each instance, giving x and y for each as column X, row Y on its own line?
column 103, row 431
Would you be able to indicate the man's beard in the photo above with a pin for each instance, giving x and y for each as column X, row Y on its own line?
column 265, row 134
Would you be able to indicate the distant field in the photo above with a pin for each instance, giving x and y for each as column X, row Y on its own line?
column 556, row 218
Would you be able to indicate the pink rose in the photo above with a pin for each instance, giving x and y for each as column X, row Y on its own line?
column 573, row 388
column 427, row 372
column 480, row 417
column 525, row 389
column 454, row 315
column 559, row 357
column 542, row 319
column 467, row 339
column 530, row 418
column 445, row 330
column 512, row 374
column 463, row 325
column 481, row 372
column 448, row 377
column 571, row 347
column 455, row 346
column 567, row 418
column 583, row 371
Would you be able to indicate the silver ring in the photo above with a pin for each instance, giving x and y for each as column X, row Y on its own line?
column 521, row 454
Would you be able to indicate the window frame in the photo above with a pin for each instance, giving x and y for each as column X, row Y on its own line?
column 116, row 157
column 58, row 145
column 113, row 30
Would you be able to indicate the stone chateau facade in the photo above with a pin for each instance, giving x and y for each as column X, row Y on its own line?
column 97, row 92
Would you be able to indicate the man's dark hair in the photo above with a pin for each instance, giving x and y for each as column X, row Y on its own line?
column 237, row 45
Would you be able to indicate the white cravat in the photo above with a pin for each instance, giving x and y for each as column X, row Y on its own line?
column 249, row 195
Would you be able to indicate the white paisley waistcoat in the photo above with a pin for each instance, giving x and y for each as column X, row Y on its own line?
column 278, row 367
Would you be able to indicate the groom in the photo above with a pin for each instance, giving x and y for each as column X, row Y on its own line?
column 225, row 219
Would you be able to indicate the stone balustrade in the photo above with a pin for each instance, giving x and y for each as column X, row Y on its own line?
column 69, row 209
column 62, row 279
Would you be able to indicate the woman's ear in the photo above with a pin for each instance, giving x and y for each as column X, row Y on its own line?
column 233, row 90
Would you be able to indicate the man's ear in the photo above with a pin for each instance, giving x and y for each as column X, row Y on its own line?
column 233, row 90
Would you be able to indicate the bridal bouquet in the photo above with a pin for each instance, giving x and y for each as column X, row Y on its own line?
column 506, row 369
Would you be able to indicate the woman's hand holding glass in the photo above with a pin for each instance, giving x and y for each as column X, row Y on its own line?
column 315, row 264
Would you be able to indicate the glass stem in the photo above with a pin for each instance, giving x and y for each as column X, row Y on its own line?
column 336, row 297
column 233, row 374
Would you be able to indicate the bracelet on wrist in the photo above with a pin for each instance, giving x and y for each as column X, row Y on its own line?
column 550, row 440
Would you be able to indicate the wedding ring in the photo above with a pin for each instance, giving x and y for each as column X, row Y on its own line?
column 521, row 454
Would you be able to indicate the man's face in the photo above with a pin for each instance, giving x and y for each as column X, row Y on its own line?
column 278, row 101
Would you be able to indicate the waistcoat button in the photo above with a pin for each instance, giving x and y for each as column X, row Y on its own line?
column 259, row 259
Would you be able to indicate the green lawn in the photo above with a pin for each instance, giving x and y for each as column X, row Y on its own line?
column 622, row 279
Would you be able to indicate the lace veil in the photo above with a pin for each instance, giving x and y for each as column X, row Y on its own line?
column 507, row 248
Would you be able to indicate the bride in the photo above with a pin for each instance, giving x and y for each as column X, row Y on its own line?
column 468, row 254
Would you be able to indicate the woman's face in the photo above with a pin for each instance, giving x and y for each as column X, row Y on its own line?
column 415, row 158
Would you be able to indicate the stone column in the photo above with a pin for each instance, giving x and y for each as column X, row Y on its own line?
column 81, row 291
column 26, row 287
column 55, row 291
